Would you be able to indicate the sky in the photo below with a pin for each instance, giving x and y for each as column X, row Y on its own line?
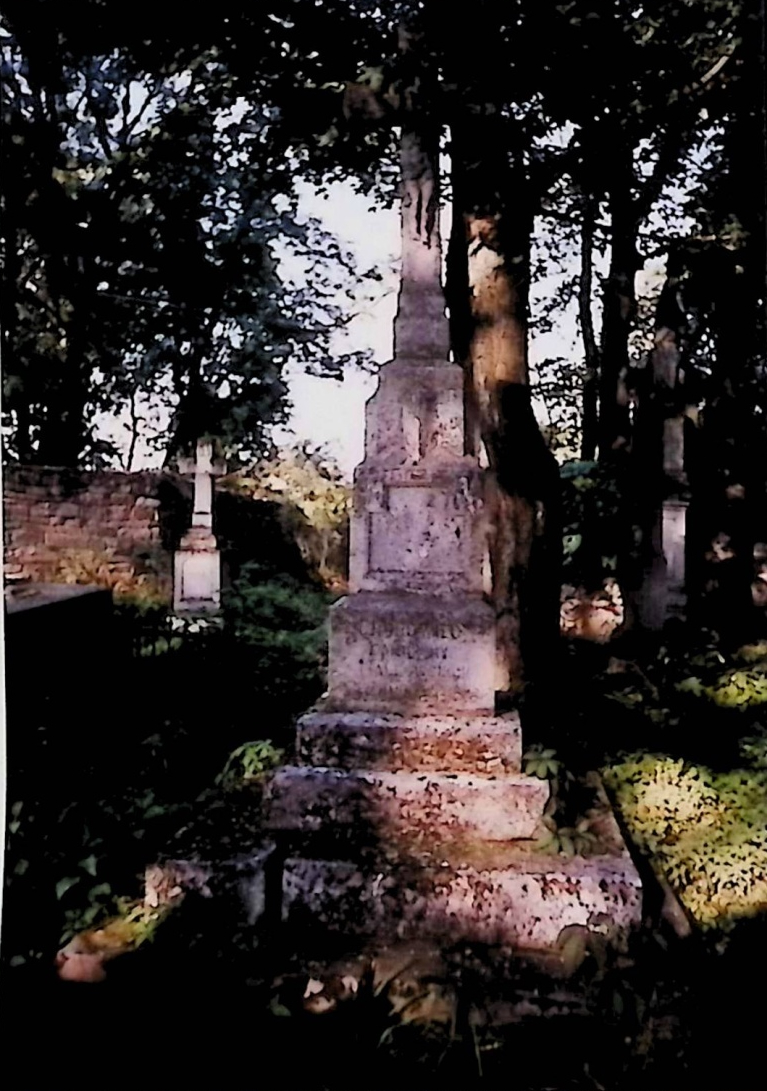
column 331, row 413
column 326, row 411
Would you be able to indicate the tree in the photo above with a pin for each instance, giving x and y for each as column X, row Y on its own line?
column 146, row 205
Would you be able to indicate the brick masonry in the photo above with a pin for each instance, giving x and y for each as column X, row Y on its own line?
column 64, row 525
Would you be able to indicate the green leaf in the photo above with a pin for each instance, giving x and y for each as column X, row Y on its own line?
column 17, row 960
column 89, row 915
column 566, row 845
column 89, row 864
column 63, row 885
column 571, row 542
column 276, row 1008
column 690, row 685
column 100, row 890
column 573, row 952
column 21, row 867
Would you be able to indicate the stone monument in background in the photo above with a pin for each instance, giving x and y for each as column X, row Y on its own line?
column 197, row 561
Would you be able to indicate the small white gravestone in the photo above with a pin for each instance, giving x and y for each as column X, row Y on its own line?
column 197, row 567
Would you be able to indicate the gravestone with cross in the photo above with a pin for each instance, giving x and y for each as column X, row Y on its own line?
column 407, row 810
column 197, row 563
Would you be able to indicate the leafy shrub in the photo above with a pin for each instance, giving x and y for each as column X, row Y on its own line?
column 314, row 503
column 739, row 689
column 596, row 525
column 276, row 630
column 707, row 832
column 104, row 569
column 250, row 762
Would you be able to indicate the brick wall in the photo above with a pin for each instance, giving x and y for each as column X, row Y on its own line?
column 59, row 525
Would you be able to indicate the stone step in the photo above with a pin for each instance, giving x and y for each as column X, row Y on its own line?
column 383, row 806
column 525, row 900
column 485, row 745
column 247, row 875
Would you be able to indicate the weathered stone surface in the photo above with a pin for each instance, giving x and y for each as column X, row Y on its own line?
column 411, row 653
column 197, row 574
column 420, row 328
column 405, row 759
column 525, row 903
column 456, row 744
column 415, row 415
column 381, row 805
column 663, row 593
column 169, row 879
column 197, row 569
column 414, row 530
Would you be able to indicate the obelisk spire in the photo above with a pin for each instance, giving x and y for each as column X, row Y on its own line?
column 421, row 328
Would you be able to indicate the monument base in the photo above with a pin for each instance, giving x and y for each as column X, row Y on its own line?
column 401, row 827
column 515, row 898
column 197, row 574
column 410, row 653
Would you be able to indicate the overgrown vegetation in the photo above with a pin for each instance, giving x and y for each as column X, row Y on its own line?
column 706, row 832
column 78, row 842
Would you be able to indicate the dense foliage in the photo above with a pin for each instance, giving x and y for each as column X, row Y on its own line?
column 153, row 257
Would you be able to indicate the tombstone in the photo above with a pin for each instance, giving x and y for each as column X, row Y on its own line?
column 197, row 561
column 663, row 592
column 406, row 810
column 664, row 595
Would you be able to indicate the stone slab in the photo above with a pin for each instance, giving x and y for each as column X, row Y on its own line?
column 420, row 528
column 411, row 654
column 526, row 903
column 197, row 575
column 384, row 806
column 30, row 596
column 245, row 873
column 415, row 414
column 486, row 745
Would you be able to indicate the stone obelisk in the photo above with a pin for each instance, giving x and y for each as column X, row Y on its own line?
column 416, row 632
column 406, row 781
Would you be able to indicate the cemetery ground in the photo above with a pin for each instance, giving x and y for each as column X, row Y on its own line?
column 202, row 998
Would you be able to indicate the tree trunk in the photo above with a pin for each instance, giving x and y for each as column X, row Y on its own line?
column 619, row 309
column 499, row 271
column 590, row 418
column 492, row 202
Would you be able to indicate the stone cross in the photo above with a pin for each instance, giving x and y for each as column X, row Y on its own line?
column 420, row 329
column 204, row 468
column 197, row 570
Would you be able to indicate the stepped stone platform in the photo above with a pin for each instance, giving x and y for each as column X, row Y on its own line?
column 359, row 740
column 478, row 882
column 405, row 803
